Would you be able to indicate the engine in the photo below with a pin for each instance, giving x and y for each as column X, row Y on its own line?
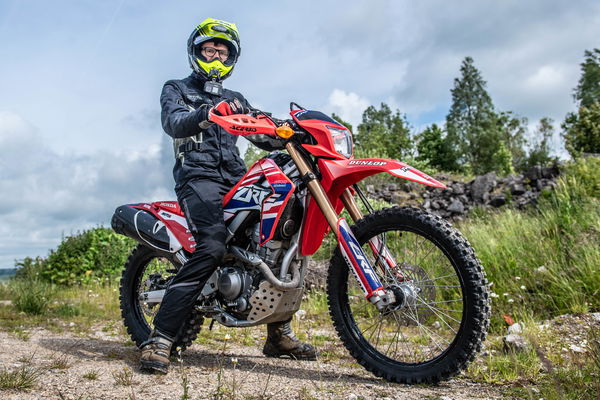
column 234, row 284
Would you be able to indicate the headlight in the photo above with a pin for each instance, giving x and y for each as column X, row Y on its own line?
column 342, row 140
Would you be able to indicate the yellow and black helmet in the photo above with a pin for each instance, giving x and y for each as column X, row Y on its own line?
column 214, row 30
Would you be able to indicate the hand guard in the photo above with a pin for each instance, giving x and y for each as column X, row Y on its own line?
column 230, row 107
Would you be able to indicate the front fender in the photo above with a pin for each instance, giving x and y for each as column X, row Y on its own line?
column 337, row 175
column 347, row 172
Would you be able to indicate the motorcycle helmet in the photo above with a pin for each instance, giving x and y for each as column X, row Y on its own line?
column 213, row 30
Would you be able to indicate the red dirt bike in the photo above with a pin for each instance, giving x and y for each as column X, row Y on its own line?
column 407, row 295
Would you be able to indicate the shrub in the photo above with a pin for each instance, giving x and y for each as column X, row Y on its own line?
column 96, row 254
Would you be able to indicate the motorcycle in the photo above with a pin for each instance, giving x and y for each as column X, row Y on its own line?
column 406, row 293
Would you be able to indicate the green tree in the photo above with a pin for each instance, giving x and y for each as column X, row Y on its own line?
column 581, row 130
column 434, row 148
column 471, row 122
column 252, row 154
column 383, row 133
column 539, row 153
column 587, row 92
column 512, row 135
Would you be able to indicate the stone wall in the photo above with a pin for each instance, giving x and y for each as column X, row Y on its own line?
column 460, row 197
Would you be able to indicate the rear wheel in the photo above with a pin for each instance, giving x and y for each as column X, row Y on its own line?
column 442, row 311
column 146, row 270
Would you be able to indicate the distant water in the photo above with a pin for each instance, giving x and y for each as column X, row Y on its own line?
column 6, row 273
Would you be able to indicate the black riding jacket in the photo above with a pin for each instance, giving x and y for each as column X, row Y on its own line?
column 201, row 153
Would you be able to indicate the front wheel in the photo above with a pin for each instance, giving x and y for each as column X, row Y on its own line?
column 442, row 314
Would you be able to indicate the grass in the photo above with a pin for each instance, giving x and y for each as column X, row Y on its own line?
column 544, row 262
column 74, row 309
column 91, row 376
column 60, row 361
column 24, row 377
column 123, row 377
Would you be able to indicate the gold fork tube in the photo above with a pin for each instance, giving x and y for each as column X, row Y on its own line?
column 351, row 205
column 314, row 186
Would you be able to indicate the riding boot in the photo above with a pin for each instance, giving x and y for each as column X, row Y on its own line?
column 155, row 353
column 281, row 341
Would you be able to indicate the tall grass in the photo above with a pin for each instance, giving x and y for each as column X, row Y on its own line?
column 545, row 262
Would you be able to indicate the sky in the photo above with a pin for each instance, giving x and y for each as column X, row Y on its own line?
column 80, row 80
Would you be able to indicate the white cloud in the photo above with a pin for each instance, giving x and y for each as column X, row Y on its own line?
column 45, row 195
column 348, row 105
column 546, row 77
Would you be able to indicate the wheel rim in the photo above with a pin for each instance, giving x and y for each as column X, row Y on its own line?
column 425, row 326
column 153, row 270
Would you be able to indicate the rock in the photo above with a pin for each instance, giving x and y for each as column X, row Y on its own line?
column 550, row 172
column 458, row 188
column 576, row 349
column 596, row 316
column 498, row 200
column 392, row 187
column 516, row 189
column 514, row 342
column 456, row 207
column 410, row 186
column 370, row 189
column 481, row 187
column 534, row 173
column 515, row 328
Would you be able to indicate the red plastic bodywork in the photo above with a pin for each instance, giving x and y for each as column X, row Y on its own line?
column 273, row 205
column 318, row 129
column 242, row 124
column 337, row 175
column 170, row 213
column 338, row 172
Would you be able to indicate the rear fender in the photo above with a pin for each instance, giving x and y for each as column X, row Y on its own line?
column 337, row 175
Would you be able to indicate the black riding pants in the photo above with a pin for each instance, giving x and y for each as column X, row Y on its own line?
column 201, row 200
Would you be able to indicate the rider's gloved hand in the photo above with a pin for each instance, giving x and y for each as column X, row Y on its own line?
column 230, row 107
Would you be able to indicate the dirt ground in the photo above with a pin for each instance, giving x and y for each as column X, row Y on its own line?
column 106, row 367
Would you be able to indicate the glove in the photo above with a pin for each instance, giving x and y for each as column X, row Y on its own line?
column 230, row 107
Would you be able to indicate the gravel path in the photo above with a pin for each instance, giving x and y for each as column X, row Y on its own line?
column 104, row 367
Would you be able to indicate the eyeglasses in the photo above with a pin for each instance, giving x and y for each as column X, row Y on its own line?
column 211, row 51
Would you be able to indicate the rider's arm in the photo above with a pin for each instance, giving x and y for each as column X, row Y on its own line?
column 178, row 120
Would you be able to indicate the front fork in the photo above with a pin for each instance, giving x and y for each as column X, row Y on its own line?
column 349, row 246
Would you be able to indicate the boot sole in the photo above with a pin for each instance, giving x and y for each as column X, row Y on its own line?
column 292, row 356
column 153, row 366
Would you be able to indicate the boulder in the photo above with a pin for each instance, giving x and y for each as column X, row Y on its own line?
column 516, row 188
column 533, row 173
column 456, row 207
column 458, row 188
column 497, row 200
column 482, row 186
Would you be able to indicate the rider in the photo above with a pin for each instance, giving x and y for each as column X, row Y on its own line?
column 207, row 166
